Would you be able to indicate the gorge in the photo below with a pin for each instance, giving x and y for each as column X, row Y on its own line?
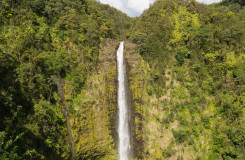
column 174, row 88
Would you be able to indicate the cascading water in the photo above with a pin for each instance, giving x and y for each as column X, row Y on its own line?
column 123, row 127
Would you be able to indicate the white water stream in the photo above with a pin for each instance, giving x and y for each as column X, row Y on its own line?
column 123, row 127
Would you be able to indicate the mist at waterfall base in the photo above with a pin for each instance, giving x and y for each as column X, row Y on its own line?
column 123, row 123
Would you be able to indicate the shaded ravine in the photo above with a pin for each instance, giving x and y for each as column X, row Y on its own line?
column 124, row 148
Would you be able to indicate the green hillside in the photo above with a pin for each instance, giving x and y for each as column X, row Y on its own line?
column 49, row 67
column 196, row 80
column 58, row 79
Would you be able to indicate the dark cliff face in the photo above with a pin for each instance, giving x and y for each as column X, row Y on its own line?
column 130, row 110
column 133, row 77
column 108, row 59
column 135, row 102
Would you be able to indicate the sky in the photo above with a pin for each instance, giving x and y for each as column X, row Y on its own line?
column 134, row 8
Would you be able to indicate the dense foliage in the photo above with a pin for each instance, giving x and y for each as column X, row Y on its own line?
column 197, row 56
column 41, row 43
column 188, row 90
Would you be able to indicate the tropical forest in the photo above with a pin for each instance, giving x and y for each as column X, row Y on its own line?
column 82, row 80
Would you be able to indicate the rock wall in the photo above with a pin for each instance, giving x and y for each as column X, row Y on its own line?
column 136, row 80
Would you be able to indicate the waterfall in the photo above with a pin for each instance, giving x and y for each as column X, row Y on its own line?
column 123, row 126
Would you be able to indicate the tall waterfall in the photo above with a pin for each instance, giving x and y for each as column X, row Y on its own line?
column 123, row 127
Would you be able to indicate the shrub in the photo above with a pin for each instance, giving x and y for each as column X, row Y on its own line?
column 181, row 54
column 143, row 49
column 180, row 135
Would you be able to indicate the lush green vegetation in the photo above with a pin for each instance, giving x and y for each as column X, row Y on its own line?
column 46, row 46
column 196, row 85
column 58, row 79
